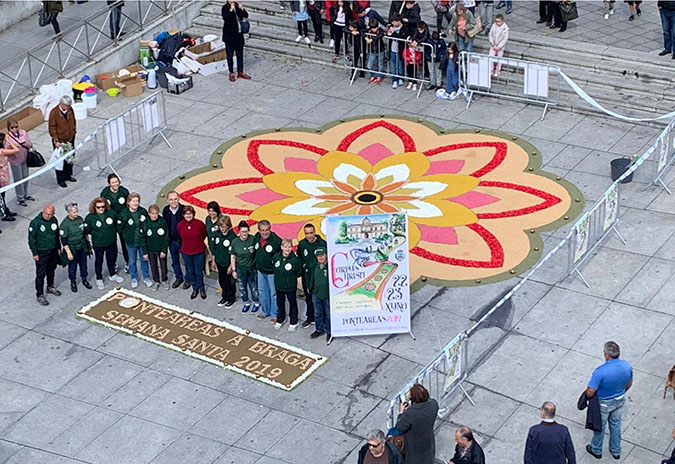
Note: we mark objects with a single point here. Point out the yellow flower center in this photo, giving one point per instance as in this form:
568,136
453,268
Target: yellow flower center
367,197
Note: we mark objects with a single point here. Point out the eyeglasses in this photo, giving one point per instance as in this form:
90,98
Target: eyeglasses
14,127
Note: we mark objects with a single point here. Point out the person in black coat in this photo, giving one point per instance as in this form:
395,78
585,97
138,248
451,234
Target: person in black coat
549,442
233,12
467,450
416,423
411,16
377,447
173,214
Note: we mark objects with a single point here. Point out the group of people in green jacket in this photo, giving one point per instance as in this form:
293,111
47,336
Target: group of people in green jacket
264,268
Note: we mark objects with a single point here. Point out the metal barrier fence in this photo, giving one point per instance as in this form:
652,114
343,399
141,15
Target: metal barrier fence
23,75
390,64
141,123
597,223
666,156
510,78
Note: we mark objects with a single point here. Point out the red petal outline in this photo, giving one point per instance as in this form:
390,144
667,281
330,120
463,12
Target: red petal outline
254,156
549,200
408,142
497,159
189,195
496,252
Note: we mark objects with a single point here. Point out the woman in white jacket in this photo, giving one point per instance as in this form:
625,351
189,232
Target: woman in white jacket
499,35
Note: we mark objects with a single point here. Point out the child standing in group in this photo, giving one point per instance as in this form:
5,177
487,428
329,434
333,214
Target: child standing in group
436,56
396,50
287,269
499,35
452,78
318,285
155,246
376,50
412,56
300,14
355,37
340,15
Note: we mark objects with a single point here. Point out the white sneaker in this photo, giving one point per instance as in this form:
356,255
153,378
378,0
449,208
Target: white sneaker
126,268
99,284
453,95
292,327
307,41
414,87
278,325
332,43
606,15
611,11
134,283
156,287
166,285
409,86
298,38
394,85
116,278
148,283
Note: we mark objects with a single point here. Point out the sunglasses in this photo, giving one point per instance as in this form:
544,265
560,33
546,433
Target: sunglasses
13,127
100,206
370,445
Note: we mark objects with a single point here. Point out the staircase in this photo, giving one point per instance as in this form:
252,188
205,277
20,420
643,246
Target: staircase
630,83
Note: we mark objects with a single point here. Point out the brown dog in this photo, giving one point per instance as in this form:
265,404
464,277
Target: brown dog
670,382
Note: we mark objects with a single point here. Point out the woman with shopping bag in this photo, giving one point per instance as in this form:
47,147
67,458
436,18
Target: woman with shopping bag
18,162
5,153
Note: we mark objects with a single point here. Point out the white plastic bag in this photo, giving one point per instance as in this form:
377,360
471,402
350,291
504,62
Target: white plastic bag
56,154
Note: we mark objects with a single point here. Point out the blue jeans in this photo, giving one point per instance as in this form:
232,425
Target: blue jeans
668,25
79,259
268,294
136,254
247,281
194,270
321,314
452,79
610,411
174,250
463,45
379,57
396,67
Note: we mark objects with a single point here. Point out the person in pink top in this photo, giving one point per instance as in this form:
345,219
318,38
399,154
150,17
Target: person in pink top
5,153
17,161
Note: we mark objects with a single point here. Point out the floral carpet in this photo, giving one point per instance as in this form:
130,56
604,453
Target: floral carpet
476,199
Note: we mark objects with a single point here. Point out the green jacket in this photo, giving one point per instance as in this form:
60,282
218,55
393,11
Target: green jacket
264,255
43,235
211,227
72,233
219,245
318,281
102,228
286,272
244,251
129,225
118,201
156,236
306,252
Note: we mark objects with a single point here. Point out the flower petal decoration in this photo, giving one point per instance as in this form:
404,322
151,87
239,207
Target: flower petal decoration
476,200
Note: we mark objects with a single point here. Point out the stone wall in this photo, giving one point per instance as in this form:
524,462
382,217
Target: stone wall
11,12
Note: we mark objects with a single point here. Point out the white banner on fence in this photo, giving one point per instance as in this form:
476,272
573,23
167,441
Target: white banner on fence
150,114
453,362
581,238
536,80
368,274
478,73
611,207
663,152
115,134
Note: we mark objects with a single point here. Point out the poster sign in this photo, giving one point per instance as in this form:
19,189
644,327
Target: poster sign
663,153
202,337
368,274
453,362
611,207
581,238
535,82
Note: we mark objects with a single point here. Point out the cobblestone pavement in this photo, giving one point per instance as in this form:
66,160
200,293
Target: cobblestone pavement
73,392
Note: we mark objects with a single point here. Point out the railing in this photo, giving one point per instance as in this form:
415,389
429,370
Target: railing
22,76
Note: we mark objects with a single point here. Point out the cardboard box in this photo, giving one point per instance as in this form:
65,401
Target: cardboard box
29,118
130,85
208,52
213,68
106,80
173,31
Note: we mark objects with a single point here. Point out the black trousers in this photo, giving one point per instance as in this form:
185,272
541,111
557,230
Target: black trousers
315,16
439,19
544,8
338,35
157,263
45,267
557,16
54,22
110,253
292,306
309,314
227,283
125,253
302,27
67,171
79,260
239,51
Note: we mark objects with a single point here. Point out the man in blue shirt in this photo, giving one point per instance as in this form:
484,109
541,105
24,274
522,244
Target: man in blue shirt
609,382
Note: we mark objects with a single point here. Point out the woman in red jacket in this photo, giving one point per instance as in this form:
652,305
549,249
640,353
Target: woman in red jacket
192,233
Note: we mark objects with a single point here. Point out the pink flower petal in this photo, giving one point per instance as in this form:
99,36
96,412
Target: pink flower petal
300,165
288,230
445,167
474,199
261,196
444,235
375,152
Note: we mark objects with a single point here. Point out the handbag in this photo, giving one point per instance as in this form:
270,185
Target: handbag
34,159
43,17
568,11
398,442
477,28
244,26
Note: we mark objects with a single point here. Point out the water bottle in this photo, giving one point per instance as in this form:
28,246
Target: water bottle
152,78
